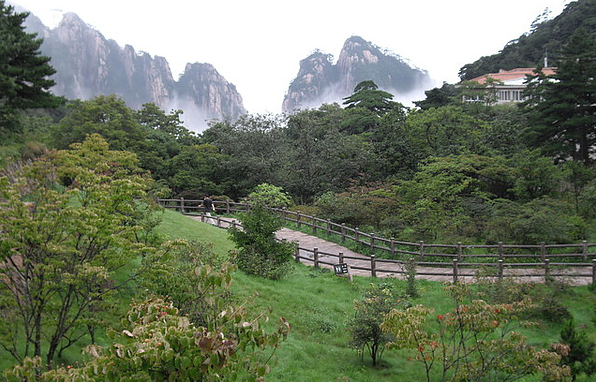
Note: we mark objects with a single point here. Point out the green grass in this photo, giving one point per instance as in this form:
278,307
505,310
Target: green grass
319,305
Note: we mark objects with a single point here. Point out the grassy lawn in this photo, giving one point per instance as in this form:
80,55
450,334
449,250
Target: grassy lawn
319,305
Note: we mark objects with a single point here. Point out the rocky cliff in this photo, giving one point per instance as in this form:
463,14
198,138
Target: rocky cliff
88,65
319,80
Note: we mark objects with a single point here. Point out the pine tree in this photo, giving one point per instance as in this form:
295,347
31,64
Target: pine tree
24,72
563,107
580,357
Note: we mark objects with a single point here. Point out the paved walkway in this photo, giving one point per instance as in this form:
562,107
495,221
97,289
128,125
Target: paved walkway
329,252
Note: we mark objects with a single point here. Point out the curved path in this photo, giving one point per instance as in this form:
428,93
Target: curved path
391,269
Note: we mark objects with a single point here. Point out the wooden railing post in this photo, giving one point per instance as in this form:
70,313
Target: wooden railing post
392,247
372,241
297,253
315,254
455,271
500,271
182,205
543,251
421,250
459,251
356,235
341,257
343,232
328,227
500,250
314,224
298,222
373,266
585,250
594,271
547,271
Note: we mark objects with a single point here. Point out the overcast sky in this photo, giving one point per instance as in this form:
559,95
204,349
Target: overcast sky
257,44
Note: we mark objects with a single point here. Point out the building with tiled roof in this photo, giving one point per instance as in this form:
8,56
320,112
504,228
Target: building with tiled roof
510,84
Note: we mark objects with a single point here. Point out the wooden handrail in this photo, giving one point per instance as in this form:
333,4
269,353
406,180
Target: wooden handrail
510,254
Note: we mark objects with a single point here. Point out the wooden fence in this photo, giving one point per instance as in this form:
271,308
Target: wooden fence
458,261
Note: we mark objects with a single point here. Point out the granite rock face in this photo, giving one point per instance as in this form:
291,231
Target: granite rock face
319,80
89,65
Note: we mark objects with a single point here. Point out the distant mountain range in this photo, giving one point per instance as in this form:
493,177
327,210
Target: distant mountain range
89,65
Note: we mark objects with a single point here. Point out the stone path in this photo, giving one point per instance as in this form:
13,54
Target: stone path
329,252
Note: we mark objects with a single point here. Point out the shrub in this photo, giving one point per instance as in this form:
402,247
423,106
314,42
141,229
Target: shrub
259,252
365,328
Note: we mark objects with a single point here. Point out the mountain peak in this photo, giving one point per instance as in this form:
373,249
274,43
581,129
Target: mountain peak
320,81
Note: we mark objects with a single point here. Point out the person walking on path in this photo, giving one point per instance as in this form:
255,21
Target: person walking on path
208,208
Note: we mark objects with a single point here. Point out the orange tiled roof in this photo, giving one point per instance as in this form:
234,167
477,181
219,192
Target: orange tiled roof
513,74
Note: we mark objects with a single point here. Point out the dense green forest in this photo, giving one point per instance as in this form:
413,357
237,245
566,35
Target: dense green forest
79,179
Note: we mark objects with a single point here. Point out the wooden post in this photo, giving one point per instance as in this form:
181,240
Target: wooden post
227,206
546,271
455,271
182,204
593,271
500,250
356,235
585,250
343,232
373,266
328,227
341,257
316,256
500,271
314,224
459,251
372,241
297,253
543,251
421,250
392,245
298,220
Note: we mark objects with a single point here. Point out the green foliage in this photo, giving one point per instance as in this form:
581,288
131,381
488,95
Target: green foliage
536,175
475,342
579,356
68,222
160,344
321,155
563,109
196,280
271,196
365,328
259,252
445,131
105,115
368,96
24,72
540,220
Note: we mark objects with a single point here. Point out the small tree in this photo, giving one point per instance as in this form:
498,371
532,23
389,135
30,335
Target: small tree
580,353
270,196
67,223
259,251
475,342
365,328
